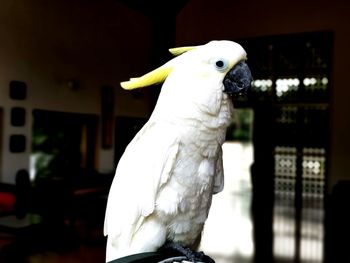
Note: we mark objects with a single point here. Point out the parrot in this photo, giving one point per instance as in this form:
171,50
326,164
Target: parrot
164,182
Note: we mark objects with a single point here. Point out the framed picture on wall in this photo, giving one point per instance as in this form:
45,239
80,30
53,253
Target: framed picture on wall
107,116
18,90
17,143
18,115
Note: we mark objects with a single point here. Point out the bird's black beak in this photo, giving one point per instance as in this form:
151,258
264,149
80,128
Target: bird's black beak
238,80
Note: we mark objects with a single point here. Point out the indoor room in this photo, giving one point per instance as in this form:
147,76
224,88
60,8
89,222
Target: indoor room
65,122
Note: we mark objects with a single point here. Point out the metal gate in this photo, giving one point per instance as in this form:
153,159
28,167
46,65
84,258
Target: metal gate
291,101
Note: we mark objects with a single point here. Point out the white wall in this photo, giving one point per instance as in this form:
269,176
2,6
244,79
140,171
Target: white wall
203,20
47,43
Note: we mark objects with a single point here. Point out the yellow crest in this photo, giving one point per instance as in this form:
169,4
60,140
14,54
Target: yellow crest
179,50
155,76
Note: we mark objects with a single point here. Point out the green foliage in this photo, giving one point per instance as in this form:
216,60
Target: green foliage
241,128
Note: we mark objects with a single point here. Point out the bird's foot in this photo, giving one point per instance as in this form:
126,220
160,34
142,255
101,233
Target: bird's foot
191,255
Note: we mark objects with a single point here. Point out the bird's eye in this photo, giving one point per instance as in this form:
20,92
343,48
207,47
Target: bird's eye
221,64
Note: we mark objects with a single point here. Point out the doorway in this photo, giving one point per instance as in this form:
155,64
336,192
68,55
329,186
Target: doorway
291,101
63,144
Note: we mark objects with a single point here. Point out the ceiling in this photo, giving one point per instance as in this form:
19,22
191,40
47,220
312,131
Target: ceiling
156,8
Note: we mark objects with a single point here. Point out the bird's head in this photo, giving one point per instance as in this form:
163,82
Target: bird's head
201,74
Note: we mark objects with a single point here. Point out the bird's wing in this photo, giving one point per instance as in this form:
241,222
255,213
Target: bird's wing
144,167
219,175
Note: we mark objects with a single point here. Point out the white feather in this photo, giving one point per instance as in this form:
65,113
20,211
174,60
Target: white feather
165,180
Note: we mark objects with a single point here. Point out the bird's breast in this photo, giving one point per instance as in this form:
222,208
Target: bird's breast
189,188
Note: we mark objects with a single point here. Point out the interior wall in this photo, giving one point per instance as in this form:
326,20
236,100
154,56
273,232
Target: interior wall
203,20
49,43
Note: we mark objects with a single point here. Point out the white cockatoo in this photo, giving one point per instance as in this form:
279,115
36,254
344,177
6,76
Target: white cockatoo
164,182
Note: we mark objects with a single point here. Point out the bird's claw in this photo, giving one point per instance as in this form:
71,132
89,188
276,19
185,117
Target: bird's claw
189,254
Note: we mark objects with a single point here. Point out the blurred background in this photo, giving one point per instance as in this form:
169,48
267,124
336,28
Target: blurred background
65,121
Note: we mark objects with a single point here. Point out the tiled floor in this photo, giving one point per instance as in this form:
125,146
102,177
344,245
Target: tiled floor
42,244
83,254
13,252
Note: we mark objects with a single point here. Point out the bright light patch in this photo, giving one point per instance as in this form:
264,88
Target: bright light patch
228,230
286,85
